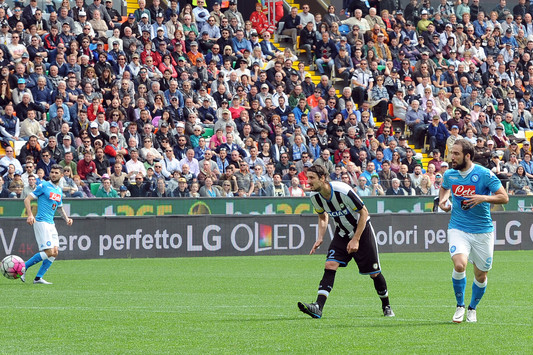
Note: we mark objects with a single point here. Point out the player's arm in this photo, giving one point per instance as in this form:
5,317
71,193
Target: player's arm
64,215
353,245
444,195
27,204
323,220
499,197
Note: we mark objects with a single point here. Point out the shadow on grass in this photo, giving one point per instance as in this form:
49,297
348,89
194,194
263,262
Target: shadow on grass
330,322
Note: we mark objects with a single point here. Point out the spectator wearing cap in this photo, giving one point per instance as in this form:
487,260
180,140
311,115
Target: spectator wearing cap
526,147
438,134
158,28
424,21
200,14
232,12
19,90
501,141
481,152
132,24
145,29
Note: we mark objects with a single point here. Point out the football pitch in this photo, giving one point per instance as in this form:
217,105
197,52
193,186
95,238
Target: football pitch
247,305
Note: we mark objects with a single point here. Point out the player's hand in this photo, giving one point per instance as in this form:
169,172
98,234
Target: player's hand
69,221
353,246
445,206
474,200
30,220
317,245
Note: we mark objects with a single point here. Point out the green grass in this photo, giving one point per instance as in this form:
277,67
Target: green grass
243,305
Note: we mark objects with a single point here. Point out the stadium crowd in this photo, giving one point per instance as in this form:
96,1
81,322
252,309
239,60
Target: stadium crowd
186,101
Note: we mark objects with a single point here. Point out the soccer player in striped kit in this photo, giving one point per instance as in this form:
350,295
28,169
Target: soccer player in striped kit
470,231
354,238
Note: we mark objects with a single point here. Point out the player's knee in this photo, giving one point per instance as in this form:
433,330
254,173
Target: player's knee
460,267
373,276
51,253
332,265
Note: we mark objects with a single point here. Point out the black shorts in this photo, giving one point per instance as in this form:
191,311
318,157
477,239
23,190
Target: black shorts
366,257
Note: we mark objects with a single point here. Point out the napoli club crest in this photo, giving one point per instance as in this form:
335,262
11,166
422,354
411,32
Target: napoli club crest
475,178
452,249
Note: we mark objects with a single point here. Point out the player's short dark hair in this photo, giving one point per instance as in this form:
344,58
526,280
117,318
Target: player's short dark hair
468,148
56,167
319,170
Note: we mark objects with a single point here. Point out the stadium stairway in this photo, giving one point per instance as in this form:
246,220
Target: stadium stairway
315,77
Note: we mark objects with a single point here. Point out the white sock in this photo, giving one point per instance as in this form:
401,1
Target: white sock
481,285
458,275
43,255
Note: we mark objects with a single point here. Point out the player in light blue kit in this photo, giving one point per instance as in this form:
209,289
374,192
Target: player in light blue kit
49,198
470,231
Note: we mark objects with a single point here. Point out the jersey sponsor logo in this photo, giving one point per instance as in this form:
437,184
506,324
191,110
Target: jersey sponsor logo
475,178
55,197
343,212
464,190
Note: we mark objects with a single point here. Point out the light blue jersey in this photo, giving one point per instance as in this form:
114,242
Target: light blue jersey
479,181
49,198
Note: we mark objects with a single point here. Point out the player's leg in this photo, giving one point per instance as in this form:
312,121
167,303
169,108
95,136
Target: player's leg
459,248
459,277
367,259
326,284
482,254
51,252
337,256
39,228
324,288
381,288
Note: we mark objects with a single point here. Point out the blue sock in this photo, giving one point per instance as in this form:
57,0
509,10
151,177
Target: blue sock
459,286
35,259
478,290
44,267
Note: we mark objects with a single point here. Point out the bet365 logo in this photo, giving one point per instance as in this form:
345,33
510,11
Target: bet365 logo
464,190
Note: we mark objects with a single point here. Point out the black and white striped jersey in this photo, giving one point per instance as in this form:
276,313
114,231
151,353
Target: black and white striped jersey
343,207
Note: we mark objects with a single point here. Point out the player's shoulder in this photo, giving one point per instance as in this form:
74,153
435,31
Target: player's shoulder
451,173
481,172
314,195
339,186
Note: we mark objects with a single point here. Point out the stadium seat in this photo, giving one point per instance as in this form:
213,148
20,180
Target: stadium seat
3,150
94,187
208,133
278,36
528,135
